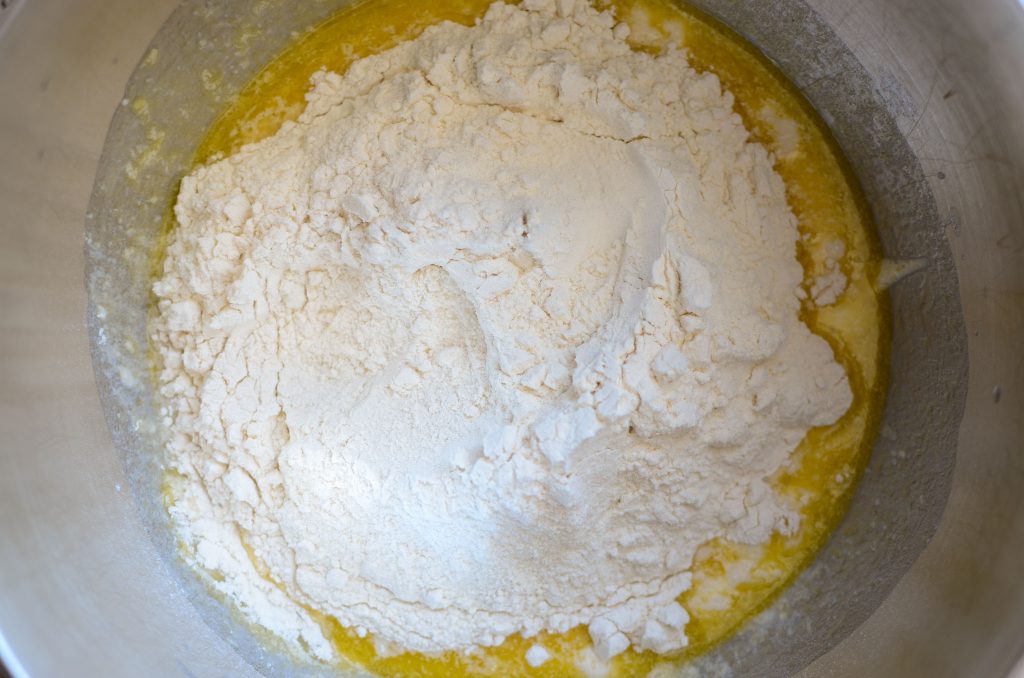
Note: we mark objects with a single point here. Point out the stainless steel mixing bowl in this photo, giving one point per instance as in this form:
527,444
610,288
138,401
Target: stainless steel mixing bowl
922,579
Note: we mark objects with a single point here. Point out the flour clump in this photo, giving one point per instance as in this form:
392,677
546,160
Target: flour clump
488,342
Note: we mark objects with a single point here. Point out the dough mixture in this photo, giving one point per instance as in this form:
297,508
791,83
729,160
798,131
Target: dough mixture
489,341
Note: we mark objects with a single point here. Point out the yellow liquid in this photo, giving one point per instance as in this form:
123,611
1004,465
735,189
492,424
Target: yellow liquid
731,582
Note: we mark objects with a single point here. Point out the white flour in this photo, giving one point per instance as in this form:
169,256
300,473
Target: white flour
488,342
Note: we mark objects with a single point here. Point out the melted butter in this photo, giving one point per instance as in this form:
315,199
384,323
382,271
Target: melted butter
731,582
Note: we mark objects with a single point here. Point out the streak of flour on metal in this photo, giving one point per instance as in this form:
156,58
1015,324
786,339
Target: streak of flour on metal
9,664
8,11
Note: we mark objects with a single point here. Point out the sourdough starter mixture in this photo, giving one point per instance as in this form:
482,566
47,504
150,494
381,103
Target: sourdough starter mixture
488,342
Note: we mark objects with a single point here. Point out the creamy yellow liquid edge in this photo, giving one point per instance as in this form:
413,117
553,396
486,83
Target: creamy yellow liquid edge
731,582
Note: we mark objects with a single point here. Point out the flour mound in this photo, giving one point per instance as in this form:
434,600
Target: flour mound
489,341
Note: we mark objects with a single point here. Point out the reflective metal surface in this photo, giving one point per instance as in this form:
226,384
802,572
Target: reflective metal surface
84,589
